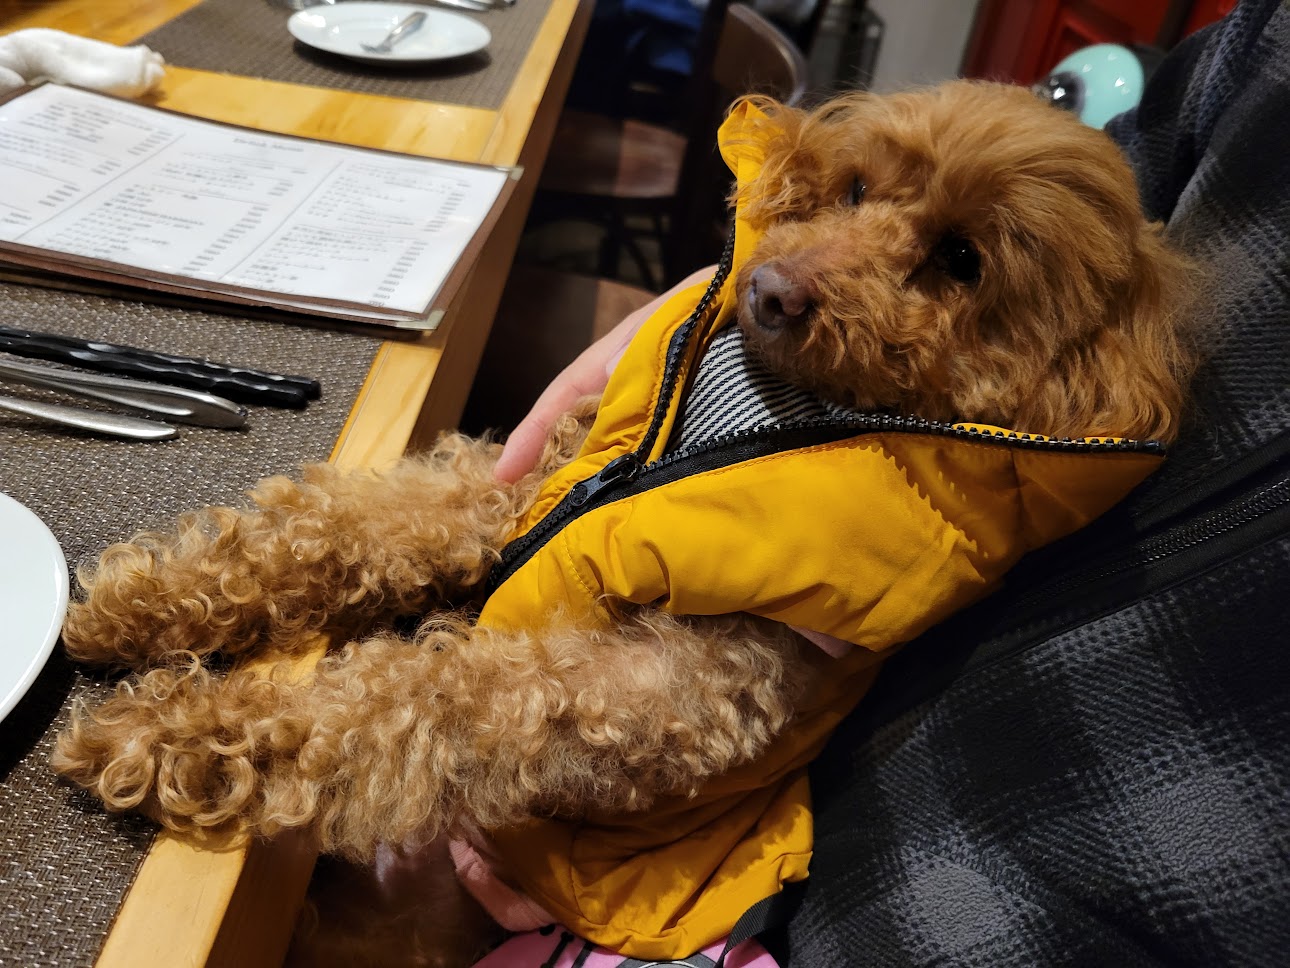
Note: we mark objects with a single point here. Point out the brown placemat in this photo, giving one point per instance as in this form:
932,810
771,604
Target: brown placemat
65,865
250,38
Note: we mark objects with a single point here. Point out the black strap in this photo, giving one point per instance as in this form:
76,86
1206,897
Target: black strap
588,949
769,912
565,938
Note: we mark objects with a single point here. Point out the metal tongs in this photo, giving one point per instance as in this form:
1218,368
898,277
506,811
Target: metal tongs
173,403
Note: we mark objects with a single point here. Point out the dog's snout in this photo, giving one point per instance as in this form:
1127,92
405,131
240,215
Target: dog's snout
777,301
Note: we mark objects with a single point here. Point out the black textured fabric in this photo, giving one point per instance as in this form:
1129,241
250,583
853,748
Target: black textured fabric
1115,795
1103,778
1211,147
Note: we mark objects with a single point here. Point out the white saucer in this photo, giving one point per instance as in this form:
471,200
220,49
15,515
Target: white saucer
33,599
343,28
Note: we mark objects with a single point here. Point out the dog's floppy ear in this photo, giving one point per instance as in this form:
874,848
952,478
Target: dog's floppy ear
1115,301
1130,379
1148,360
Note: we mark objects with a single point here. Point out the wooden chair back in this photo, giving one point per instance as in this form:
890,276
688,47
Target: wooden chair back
755,56
750,55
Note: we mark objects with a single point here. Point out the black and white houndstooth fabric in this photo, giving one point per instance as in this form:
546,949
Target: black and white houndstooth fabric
734,391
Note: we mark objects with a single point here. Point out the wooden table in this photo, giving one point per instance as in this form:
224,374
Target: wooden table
230,902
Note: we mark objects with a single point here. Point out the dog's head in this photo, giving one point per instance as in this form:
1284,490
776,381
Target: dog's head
964,252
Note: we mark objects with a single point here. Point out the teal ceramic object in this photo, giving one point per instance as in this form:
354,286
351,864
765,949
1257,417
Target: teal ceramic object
1096,83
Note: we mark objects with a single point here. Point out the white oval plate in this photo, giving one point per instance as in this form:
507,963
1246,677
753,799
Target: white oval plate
343,28
33,599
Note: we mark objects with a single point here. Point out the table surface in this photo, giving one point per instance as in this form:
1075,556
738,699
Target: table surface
229,901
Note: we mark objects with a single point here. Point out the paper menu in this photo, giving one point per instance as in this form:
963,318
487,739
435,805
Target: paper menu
142,194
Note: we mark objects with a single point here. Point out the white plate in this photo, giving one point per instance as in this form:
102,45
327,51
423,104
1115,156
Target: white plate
343,28
33,599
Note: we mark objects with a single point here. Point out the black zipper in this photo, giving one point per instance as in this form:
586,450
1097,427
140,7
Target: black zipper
1154,549
627,476
630,474
622,468
1008,623
677,347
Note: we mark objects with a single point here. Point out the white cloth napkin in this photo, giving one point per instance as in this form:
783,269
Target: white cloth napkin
39,54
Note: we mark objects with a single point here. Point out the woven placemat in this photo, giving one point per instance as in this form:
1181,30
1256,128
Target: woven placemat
65,865
250,38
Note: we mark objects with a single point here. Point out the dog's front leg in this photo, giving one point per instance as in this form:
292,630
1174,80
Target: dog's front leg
397,741
336,550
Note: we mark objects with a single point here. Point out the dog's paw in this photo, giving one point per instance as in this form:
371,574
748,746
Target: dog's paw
157,598
97,637
110,751
162,746
127,618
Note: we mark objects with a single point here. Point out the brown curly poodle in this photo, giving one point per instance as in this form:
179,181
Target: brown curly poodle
960,253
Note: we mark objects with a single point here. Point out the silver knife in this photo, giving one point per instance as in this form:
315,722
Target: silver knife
114,424
174,403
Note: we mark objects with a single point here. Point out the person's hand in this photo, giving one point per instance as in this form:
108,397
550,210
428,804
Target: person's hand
588,374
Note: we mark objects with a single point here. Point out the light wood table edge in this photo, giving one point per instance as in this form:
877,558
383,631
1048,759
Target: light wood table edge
553,57
224,902
234,903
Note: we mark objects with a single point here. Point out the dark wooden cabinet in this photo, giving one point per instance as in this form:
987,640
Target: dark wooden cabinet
1021,40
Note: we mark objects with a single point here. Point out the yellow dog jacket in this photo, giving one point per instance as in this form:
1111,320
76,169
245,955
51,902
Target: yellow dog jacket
868,528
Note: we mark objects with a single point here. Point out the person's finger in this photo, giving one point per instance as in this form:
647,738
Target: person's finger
524,445
586,375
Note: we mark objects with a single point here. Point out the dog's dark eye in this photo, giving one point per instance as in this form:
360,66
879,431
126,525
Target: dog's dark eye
957,258
857,190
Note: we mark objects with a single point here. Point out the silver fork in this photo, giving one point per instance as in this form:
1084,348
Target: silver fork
406,26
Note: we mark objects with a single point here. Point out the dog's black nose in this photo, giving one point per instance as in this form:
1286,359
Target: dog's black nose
777,301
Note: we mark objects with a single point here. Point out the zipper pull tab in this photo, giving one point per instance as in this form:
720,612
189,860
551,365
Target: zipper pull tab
617,471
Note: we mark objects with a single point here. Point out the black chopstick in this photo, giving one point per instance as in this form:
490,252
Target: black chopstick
234,383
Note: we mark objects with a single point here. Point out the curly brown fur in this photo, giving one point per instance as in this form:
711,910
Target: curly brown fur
394,741
335,552
1067,324
1072,324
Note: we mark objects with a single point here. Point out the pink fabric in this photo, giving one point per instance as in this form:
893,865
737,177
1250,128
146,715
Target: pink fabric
509,908
538,938
837,648
536,948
